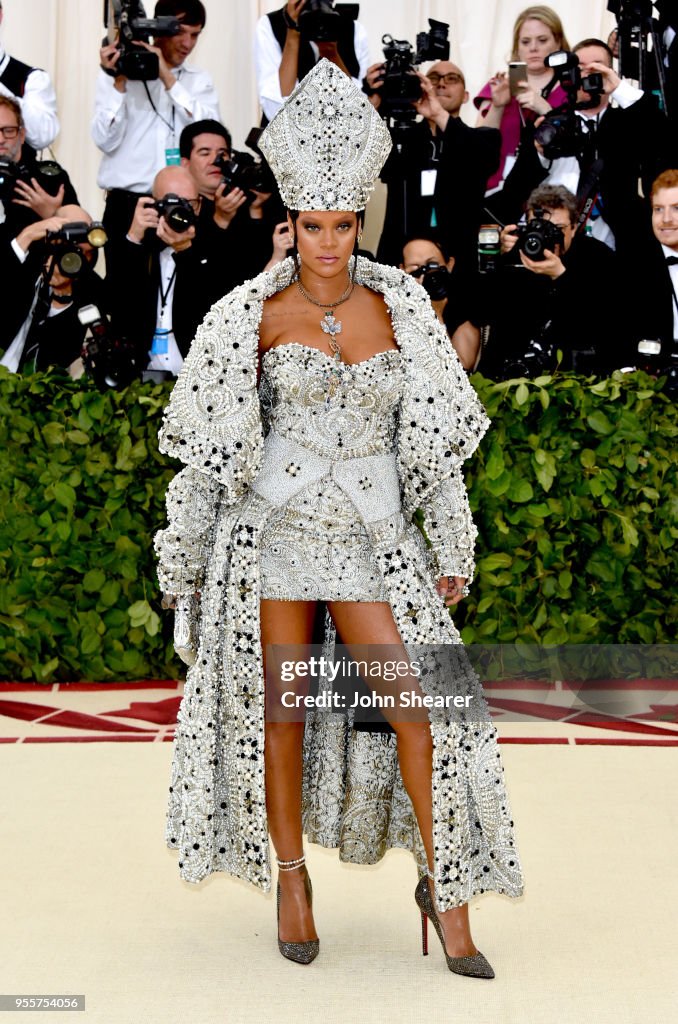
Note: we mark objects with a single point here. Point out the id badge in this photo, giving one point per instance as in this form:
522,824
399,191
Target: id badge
172,157
428,182
160,342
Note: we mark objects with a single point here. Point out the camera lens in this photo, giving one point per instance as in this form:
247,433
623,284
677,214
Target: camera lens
533,247
179,220
70,263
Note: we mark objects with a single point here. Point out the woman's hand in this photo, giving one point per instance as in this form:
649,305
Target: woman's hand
500,90
452,588
532,99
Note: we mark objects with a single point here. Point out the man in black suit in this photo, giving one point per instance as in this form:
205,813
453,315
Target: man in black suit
40,327
567,301
30,195
626,143
237,224
166,280
437,177
653,282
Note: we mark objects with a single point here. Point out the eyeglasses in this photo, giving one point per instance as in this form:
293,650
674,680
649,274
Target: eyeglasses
451,78
10,132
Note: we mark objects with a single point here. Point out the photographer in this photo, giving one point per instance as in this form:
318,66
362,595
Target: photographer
618,145
437,176
234,222
30,190
167,277
453,294
51,279
553,290
290,41
137,123
32,89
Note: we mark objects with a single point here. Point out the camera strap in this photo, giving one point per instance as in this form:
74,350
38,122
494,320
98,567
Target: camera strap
587,192
165,292
170,124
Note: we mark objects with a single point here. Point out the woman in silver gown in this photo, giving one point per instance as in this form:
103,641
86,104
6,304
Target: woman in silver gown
320,406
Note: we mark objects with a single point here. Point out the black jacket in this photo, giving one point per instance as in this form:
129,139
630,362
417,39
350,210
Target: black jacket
633,142
466,159
19,217
213,265
60,338
579,311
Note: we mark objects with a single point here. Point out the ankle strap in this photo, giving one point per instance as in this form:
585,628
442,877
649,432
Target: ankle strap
430,875
290,865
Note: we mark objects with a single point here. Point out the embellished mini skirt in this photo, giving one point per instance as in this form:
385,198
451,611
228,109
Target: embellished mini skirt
316,548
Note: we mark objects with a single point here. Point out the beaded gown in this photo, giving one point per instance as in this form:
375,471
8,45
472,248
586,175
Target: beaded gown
304,489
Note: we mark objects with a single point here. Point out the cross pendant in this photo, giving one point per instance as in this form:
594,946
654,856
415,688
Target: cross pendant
330,325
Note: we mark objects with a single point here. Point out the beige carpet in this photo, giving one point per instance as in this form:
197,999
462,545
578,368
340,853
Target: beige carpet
92,903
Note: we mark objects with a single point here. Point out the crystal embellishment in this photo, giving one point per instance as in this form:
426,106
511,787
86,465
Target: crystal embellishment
327,143
330,325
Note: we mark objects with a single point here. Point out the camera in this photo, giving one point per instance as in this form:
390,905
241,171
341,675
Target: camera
538,358
538,235
243,171
127,19
401,88
321,20
49,174
561,132
63,246
658,358
177,212
112,362
435,279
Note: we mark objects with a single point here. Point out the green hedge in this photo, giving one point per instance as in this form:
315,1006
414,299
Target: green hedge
573,492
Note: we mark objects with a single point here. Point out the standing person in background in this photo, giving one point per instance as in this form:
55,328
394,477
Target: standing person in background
283,55
437,177
537,32
137,125
34,92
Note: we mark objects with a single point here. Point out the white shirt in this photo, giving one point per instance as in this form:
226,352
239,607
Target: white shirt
566,170
38,106
673,272
268,57
133,138
171,360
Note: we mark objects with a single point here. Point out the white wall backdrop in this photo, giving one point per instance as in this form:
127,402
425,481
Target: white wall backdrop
64,36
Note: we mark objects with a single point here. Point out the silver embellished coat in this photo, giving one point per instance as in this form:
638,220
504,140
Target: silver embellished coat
353,796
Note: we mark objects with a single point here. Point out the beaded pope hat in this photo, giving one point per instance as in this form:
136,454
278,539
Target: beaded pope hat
327,144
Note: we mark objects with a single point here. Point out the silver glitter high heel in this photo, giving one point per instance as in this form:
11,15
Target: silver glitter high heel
299,952
472,966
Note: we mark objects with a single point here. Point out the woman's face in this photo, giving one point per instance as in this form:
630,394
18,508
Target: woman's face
325,240
535,42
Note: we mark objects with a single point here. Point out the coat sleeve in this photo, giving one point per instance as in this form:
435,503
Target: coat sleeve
213,425
450,528
183,547
441,424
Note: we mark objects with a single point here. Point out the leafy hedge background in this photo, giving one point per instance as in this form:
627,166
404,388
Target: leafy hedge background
573,491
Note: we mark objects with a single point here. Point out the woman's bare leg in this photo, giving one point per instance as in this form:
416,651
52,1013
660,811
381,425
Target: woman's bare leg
361,624
286,622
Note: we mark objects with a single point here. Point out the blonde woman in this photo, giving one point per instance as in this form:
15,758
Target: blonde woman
537,32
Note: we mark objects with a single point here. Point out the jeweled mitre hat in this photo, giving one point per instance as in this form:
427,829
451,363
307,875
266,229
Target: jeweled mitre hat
327,144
